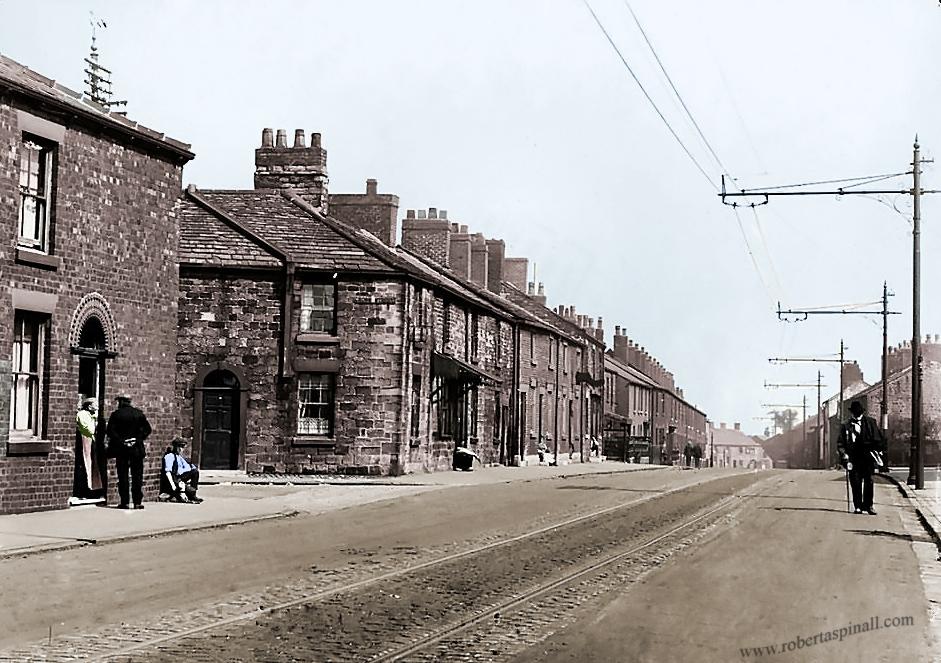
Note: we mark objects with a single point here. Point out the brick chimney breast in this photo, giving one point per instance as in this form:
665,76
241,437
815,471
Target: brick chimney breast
479,263
496,258
738,426
515,271
430,238
460,251
372,211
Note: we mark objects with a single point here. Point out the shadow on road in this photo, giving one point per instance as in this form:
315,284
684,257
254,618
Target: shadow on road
889,535
803,508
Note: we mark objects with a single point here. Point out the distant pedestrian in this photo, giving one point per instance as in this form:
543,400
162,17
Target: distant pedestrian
688,454
861,444
595,447
697,455
127,430
90,465
541,450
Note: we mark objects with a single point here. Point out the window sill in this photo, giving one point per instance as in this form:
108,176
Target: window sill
313,441
27,446
317,338
37,259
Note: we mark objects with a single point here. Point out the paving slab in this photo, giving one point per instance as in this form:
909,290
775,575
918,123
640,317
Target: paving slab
233,498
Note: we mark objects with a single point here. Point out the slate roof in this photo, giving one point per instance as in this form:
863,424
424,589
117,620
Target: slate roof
729,437
278,226
206,240
629,372
518,312
546,314
24,80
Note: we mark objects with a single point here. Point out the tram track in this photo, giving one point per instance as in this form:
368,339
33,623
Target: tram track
339,596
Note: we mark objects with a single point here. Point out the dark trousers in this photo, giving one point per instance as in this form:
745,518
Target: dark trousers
135,464
191,477
861,483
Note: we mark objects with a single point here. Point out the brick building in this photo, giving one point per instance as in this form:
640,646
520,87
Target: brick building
89,284
730,447
308,343
558,382
651,411
628,398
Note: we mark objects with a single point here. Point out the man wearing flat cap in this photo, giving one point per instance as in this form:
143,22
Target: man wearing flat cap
127,430
861,445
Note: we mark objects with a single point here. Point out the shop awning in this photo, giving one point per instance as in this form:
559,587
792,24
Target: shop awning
452,368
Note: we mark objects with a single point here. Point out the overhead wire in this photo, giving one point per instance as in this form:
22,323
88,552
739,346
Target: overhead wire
722,167
870,178
648,97
676,92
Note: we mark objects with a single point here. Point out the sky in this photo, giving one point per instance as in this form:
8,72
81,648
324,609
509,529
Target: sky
521,120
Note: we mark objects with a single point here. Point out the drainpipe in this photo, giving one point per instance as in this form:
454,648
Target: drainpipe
555,422
406,382
287,313
517,435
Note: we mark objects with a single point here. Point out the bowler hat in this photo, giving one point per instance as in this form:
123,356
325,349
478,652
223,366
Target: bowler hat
123,396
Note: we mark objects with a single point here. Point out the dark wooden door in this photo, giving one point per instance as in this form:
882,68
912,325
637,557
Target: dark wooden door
220,422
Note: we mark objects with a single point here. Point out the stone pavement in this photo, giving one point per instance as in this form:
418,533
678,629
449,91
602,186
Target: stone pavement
927,501
233,498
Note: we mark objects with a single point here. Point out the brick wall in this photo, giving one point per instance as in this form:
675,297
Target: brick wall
375,212
114,233
428,322
428,237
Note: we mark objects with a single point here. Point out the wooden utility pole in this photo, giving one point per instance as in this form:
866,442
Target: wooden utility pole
916,468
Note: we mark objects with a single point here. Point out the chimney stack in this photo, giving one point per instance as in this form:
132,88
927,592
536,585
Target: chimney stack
302,170
541,294
372,211
267,138
430,238
738,426
496,261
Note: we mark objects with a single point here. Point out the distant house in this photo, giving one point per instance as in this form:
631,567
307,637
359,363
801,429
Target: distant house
730,447
88,294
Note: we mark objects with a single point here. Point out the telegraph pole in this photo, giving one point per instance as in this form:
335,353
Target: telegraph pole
916,469
884,409
823,459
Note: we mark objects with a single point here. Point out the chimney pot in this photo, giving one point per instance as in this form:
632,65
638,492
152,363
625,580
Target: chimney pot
542,290
617,330
722,425
421,214
432,213
410,214
455,228
530,288
267,138
282,140
443,214
738,426
315,140
600,323
299,138
463,229
372,187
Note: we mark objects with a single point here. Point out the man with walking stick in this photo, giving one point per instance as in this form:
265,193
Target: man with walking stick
861,444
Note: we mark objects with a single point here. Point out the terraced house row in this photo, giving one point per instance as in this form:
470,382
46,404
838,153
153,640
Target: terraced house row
282,328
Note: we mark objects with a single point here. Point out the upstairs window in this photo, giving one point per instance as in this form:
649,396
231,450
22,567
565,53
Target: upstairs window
318,310
36,167
475,336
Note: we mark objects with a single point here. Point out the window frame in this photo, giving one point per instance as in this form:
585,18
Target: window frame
328,405
307,312
36,376
47,162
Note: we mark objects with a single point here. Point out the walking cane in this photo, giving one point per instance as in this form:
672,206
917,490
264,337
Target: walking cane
846,471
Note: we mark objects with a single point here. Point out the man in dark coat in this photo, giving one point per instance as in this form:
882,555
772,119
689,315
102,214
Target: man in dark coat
861,445
127,430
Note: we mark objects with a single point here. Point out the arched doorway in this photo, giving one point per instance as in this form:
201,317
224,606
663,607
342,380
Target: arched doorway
90,482
220,422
